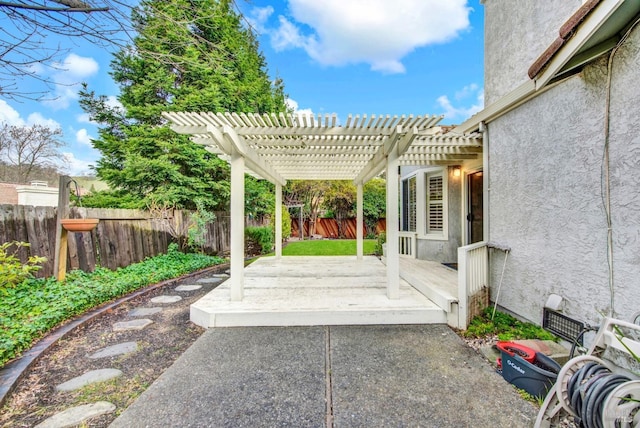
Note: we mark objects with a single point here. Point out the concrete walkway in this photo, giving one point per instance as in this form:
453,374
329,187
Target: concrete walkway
337,376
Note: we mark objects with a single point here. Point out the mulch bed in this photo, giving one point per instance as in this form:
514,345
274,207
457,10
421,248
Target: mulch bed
159,345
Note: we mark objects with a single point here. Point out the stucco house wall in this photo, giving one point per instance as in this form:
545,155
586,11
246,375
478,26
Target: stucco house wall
446,251
546,200
516,32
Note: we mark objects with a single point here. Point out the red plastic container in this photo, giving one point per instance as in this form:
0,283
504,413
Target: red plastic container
512,348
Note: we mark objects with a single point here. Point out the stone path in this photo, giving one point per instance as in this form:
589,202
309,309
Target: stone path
81,414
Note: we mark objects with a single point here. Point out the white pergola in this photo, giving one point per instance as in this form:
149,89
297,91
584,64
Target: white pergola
281,147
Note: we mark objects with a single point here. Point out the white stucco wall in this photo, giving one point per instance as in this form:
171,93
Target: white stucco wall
516,33
546,199
37,196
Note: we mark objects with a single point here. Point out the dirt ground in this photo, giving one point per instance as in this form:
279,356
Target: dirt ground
159,345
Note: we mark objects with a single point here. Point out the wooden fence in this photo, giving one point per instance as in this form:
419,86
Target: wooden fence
122,237
328,228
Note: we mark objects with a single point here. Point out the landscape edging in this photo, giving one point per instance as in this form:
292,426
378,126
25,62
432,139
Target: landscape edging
11,373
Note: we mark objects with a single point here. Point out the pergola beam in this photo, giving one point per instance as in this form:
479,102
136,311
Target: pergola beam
252,159
378,161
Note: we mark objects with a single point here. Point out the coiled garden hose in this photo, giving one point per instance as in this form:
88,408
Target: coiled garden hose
587,391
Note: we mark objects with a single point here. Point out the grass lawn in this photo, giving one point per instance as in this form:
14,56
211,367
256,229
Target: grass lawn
327,247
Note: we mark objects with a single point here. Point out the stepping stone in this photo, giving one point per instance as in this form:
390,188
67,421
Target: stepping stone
88,378
77,415
112,351
188,287
166,299
213,280
221,275
132,325
143,312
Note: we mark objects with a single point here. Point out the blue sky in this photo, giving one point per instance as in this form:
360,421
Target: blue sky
335,56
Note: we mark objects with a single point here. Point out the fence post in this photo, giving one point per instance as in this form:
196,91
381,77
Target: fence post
60,257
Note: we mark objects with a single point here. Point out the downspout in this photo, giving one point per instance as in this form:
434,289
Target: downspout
484,129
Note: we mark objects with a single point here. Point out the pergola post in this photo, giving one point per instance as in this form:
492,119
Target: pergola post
237,226
393,258
359,216
278,221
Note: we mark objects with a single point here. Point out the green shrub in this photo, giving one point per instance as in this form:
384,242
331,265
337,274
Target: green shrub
12,270
382,238
286,222
196,233
260,236
505,326
35,306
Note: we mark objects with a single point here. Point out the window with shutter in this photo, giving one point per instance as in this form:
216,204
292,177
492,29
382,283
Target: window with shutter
409,204
435,203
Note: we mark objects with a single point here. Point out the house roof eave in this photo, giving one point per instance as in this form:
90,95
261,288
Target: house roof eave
593,30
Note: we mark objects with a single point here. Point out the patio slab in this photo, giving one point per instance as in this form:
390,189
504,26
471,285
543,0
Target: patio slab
344,376
317,290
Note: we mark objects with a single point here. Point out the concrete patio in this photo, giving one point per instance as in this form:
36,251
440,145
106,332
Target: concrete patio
329,376
315,290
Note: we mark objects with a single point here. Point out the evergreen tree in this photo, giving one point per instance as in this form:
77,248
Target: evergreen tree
189,55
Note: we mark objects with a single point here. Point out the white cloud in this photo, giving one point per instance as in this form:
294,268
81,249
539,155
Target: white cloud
112,101
85,118
452,112
68,75
74,166
10,115
258,16
83,137
37,69
37,118
466,91
293,105
78,66
377,32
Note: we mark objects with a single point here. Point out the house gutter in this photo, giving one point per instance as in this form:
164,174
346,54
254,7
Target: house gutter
596,20
504,105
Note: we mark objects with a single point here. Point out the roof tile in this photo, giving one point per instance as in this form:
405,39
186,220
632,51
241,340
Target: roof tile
566,31
546,56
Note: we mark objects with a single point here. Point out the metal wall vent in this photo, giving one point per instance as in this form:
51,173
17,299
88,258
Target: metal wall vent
562,326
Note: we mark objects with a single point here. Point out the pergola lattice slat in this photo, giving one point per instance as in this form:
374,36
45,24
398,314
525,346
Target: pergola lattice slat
280,147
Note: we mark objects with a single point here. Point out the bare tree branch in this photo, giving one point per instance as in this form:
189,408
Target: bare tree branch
77,7
25,52
29,148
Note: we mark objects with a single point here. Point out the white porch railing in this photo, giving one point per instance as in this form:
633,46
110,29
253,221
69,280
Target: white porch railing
408,244
473,281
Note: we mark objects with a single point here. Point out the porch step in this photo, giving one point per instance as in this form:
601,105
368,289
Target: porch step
318,290
288,306
434,280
